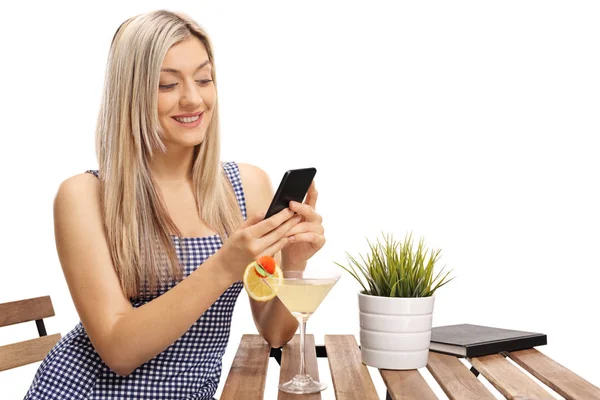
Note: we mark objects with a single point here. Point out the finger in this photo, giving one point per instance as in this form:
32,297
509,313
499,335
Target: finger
316,240
307,211
311,196
306,227
263,227
280,231
251,220
275,247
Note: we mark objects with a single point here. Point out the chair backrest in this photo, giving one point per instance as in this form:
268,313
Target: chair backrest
30,351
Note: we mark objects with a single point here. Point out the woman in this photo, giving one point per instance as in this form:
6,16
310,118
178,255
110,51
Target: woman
153,245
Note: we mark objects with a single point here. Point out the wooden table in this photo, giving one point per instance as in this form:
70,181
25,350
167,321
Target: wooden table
351,379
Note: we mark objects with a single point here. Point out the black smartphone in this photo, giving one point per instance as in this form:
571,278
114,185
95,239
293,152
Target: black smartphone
293,187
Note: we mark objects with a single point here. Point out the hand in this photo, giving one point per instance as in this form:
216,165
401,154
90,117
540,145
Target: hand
255,237
307,237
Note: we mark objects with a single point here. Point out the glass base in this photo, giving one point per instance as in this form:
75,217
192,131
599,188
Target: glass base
302,384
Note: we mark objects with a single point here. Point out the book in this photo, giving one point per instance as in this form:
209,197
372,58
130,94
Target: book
466,340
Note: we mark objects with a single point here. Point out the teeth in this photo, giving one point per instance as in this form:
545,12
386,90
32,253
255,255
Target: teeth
187,120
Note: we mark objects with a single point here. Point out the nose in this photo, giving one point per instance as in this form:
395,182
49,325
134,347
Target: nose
190,96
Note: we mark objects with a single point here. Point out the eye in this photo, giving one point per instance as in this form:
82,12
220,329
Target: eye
202,82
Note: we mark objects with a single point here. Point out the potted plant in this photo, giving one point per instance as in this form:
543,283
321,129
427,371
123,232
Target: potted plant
396,303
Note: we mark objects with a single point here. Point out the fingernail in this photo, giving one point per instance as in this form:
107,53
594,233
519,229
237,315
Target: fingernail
292,238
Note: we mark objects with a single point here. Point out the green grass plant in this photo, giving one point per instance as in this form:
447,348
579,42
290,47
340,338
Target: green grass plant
397,269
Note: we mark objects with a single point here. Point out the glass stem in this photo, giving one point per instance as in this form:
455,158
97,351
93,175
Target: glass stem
302,322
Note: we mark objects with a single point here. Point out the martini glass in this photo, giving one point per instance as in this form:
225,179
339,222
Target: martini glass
302,292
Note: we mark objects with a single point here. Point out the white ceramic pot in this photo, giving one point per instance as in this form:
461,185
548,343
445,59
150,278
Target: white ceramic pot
395,331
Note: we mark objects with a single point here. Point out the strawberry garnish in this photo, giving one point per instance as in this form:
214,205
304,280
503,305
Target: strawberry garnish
259,271
264,266
267,263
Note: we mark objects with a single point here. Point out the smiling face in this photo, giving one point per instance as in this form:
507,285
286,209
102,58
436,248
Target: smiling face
186,94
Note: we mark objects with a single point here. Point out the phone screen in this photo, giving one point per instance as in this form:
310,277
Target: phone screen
293,187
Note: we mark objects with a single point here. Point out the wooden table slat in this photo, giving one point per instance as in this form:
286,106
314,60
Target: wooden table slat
248,373
290,363
455,378
562,380
407,385
508,379
351,379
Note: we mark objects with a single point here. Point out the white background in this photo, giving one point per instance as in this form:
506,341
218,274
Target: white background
470,123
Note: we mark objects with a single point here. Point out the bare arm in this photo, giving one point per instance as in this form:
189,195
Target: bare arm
272,319
126,337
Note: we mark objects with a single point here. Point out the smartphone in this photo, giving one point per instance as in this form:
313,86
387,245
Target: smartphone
293,187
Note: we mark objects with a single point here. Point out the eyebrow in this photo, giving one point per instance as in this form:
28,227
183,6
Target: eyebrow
176,71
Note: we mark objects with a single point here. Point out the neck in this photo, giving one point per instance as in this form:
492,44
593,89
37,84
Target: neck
172,167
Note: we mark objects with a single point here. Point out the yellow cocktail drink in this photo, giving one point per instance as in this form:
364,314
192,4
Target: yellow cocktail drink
301,292
303,296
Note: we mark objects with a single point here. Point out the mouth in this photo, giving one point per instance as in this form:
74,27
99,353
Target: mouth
189,120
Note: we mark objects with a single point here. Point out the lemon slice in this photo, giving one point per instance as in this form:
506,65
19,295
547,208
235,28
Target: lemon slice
256,288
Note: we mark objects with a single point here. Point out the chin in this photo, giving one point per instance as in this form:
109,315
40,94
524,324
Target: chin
190,142
182,138
175,136
181,142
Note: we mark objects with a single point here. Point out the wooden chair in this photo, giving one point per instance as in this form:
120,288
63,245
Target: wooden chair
30,351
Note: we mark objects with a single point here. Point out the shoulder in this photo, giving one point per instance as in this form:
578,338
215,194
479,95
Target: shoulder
252,175
257,188
79,184
78,190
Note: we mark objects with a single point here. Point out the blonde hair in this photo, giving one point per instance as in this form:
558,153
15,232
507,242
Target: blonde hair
136,220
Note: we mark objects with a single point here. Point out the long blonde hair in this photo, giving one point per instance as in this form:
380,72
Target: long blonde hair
136,220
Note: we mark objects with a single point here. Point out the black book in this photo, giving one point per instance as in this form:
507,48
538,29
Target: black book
466,340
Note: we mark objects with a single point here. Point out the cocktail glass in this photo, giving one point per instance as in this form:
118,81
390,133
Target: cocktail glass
302,292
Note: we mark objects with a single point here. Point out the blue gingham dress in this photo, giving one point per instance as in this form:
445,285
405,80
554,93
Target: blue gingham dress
189,369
